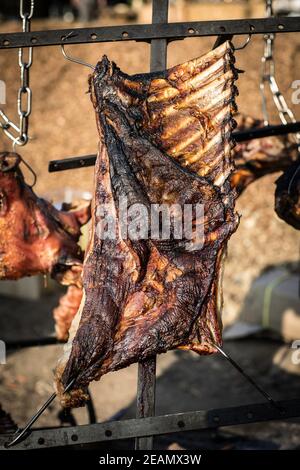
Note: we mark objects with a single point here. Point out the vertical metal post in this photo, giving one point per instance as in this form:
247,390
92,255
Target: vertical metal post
158,61
145,405
147,369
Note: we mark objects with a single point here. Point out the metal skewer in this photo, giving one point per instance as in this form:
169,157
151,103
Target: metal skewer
248,378
20,433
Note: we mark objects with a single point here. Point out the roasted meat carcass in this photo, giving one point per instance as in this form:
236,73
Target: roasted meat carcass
287,196
253,159
165,138
259,157
35,237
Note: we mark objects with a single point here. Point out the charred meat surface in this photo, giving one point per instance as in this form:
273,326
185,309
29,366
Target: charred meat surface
34,236
287,196
253,159
165,138
259,157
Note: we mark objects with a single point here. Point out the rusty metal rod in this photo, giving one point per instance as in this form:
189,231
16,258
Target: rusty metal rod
147,369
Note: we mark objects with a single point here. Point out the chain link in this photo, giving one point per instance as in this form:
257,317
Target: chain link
26,14
269,8
19,133
268,78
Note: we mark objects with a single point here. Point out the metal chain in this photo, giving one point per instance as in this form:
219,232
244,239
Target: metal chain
269,8
268,77
19,133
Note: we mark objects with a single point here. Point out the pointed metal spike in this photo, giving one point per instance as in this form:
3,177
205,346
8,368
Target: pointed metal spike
20,433
247,377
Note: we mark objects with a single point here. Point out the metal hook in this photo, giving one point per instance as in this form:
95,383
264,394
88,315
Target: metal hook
244,45
18,142
73,59
35,417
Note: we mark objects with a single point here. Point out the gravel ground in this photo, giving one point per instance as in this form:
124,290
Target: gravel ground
63,124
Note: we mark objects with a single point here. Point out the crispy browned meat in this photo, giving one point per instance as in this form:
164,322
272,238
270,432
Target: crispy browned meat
66,310
164,138
259,157
36,237
287,196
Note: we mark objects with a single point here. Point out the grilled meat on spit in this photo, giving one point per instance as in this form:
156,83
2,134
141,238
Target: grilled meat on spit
259,157
253,159
35,237
164,138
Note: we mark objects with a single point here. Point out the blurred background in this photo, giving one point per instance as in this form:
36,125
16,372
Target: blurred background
263,252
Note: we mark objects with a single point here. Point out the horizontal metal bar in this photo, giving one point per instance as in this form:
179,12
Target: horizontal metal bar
266,131
239,136
156,425
72,163
146,32
29,343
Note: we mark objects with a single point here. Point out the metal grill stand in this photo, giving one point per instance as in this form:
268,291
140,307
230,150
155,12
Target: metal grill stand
147,424
147,369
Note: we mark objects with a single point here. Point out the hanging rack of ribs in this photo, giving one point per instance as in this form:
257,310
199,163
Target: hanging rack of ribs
36,237
164,138
253,159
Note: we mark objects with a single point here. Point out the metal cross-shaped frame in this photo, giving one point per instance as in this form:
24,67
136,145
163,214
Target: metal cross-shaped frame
159,33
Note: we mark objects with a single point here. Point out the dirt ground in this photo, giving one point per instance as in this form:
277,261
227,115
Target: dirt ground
63,124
